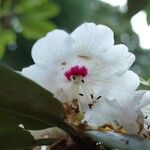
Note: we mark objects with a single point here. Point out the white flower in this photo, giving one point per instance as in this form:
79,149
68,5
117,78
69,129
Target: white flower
72,65
133,116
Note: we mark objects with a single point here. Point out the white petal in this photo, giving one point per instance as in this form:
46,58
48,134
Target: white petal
145,99
55,45
117,59
146,113
102,113
115,52
136,101
91,39
131,119
142,101
51,80
108,111
145,106
120,87
38,74
131,116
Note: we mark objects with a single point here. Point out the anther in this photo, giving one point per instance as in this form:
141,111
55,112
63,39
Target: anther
82,81
127,142
75,100
80,94
146,117
90,106
92,96
144,135
73,77
99,97
76,110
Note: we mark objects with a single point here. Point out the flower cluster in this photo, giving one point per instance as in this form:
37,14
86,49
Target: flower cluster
91,77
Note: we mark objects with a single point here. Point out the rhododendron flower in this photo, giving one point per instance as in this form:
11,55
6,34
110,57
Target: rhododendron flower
72,65
133,116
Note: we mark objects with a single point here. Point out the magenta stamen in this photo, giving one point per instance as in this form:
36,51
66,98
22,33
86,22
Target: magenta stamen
76,71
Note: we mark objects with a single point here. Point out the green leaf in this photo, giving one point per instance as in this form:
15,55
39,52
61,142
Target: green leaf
50,10
24,102
21,139
148,13
7,37
33,17
118,141
27,5
17,138
2,49
36,7
5,7
133,9
34,29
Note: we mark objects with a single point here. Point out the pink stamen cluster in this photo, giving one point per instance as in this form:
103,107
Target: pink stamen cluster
76,71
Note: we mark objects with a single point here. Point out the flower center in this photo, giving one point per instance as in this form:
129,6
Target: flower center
76,72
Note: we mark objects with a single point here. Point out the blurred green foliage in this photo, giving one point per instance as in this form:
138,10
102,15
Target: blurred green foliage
30,18
36,17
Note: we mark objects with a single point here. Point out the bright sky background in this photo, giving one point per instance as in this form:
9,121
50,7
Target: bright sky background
139,23
116,2
140,26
